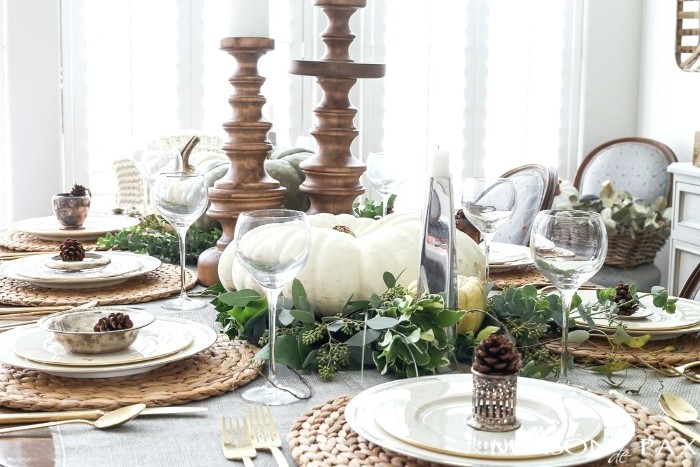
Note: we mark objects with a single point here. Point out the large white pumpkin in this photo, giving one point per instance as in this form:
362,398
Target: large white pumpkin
342,265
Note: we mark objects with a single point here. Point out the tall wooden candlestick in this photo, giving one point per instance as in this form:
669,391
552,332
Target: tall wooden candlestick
246,185
333,174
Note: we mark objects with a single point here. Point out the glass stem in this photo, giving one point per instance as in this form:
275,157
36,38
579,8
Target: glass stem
181,237
566,297
272,296
385,204
487,250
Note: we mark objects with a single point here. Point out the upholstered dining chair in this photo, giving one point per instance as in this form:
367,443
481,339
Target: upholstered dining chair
691,289
636,165
535,186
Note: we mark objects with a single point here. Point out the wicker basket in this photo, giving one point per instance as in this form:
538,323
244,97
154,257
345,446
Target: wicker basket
627,252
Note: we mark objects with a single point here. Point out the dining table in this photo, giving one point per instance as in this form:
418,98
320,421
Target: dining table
195,439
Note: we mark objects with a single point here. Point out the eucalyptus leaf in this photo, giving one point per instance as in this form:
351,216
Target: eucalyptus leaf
240,297
356,340
381,322
577,336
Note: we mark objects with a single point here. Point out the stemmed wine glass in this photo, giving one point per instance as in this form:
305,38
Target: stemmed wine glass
181,198
386,173
151,162
488,204
568,248
273,246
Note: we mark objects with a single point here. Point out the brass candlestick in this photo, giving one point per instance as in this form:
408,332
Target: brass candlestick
246,185
333,174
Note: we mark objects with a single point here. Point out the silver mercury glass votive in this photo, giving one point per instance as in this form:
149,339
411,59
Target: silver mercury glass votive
493,402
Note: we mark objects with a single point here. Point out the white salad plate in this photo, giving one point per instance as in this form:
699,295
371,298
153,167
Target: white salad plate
159,339
434,419
660,324
203,337
506,256
380,407
48,228
123,266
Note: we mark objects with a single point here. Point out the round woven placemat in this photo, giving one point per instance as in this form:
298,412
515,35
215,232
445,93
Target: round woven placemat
656,354
321,437
163,282
221,368
518,278
23,241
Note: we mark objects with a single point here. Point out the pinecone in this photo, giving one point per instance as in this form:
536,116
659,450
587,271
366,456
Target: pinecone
496,356
622,294
463,224
72,250
79,190
113,322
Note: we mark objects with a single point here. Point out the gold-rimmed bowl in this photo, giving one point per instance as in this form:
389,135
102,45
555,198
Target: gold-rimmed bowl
74,330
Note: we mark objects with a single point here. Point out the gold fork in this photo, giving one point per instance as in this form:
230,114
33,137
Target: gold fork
264,432
235,441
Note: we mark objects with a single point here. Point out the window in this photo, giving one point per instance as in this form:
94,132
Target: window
491,81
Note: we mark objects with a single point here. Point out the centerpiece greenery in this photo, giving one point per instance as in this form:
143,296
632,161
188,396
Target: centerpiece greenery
154,236
401,334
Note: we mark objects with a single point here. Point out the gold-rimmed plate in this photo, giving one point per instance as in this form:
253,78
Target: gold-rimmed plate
48,228
159,339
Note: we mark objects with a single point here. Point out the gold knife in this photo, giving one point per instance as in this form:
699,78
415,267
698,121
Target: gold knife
11,418
684,430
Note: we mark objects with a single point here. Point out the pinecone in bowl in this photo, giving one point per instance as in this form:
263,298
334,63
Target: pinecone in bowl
496,356
72,250
79,190
113,322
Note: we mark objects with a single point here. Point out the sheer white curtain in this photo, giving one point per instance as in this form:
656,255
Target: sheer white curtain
491,81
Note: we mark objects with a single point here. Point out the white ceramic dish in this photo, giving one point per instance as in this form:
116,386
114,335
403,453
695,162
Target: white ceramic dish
506,256
91,261
686,319
619,428
203,337
433,415
48,228
160,339
122,267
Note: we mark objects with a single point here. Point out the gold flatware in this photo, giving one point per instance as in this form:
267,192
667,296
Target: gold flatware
23,254
11,418
235,441
7,310
678,408
684,430
263,432
108,420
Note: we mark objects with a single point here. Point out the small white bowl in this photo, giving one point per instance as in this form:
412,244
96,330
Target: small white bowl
74,329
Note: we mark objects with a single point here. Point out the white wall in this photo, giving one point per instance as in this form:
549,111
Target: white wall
32,85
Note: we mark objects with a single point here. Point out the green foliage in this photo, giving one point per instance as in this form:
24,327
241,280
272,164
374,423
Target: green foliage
402,335
154,236
624,214
373,209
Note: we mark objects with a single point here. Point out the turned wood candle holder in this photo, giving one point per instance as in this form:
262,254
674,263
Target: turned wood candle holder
246,185
333,174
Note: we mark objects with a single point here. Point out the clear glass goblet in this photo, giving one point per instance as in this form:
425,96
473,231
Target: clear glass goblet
181,198
488,203
568,248
151,162
273,246
386,173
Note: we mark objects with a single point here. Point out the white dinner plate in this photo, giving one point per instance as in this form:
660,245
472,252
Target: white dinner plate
203,337
123,266
159,339
619,428
95,226
433,415
506,256
686,319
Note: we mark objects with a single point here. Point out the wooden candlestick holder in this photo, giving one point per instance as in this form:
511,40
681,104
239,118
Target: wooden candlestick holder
333,173
246,185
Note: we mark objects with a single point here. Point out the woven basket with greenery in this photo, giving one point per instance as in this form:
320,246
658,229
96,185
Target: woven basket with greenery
636,230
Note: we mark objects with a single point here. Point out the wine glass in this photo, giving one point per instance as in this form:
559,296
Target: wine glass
488,203
386,173
568,248
273,246
151,162
181,198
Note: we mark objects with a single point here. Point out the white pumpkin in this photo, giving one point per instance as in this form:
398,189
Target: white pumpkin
342,265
